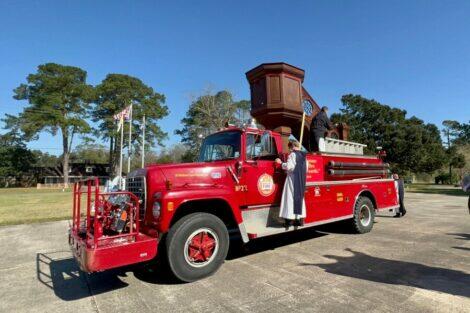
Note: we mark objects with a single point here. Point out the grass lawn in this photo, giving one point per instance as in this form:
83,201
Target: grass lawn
436,189
30,205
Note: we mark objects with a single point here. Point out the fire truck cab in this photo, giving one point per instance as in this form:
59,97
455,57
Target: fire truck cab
190,210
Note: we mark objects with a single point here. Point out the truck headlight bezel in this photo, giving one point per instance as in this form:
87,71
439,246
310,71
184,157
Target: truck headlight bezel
156,209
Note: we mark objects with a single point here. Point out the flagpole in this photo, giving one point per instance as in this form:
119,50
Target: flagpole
130,140
143,141
121,121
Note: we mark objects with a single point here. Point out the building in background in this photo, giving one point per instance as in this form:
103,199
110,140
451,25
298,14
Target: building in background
51,176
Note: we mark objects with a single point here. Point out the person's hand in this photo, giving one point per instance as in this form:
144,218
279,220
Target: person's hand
278,161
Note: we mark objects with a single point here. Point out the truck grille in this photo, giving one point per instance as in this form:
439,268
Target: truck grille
137,186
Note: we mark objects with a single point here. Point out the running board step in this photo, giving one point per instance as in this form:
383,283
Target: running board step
265,221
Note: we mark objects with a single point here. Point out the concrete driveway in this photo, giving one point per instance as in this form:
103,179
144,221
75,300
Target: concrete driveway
420,263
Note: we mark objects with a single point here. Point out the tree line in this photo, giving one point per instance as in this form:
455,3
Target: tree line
61,102
412,146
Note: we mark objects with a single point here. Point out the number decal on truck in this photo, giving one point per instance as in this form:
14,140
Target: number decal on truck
243,188
266,185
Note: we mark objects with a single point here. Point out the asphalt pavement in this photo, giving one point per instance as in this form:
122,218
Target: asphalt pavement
419,263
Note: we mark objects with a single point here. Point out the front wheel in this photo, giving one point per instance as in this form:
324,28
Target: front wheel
197,246
364,214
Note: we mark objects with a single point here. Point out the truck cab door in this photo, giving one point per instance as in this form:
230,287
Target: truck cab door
262,179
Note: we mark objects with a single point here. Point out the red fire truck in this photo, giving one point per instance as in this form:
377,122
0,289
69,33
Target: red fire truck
189,210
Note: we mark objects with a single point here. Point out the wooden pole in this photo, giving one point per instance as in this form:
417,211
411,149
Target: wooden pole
302,129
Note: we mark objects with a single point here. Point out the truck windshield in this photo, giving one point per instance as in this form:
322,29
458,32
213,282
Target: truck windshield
220,146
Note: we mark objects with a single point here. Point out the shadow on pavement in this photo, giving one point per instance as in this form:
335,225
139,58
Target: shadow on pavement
386,216
461,236
462,248
366,267
239,250
62,275
157,272
60,272
341,227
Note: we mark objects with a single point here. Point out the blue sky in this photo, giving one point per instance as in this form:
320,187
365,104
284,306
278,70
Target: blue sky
414,55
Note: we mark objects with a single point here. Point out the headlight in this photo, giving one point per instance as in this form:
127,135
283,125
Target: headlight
156,209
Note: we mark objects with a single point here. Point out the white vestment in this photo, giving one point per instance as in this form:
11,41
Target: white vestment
287,202
321,145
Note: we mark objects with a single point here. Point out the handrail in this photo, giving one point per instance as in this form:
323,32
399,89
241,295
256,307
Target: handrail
352,143
95,221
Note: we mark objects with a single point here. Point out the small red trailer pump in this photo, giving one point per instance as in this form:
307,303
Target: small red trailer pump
190,209
107,234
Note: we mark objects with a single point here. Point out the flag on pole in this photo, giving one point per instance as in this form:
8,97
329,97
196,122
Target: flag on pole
120,123
123,115
120,117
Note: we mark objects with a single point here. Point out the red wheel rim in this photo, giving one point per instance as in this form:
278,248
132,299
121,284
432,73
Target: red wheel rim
201,247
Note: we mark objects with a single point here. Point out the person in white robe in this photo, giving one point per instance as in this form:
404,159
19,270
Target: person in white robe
287,210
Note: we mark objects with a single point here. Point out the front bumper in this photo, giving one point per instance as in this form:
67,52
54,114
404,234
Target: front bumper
112,254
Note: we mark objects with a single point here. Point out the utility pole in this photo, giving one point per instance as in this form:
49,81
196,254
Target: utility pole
143,141
129,148
120,154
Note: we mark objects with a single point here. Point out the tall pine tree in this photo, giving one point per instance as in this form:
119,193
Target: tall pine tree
118,91
58,98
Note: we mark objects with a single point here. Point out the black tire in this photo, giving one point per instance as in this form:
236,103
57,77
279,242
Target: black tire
364,214
176,245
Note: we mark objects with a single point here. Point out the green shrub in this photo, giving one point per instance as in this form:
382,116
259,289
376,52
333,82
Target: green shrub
446,179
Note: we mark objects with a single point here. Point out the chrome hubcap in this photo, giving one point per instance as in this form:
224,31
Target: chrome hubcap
365,215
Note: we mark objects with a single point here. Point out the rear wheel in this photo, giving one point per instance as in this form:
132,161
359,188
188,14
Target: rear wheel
364,214
196,246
